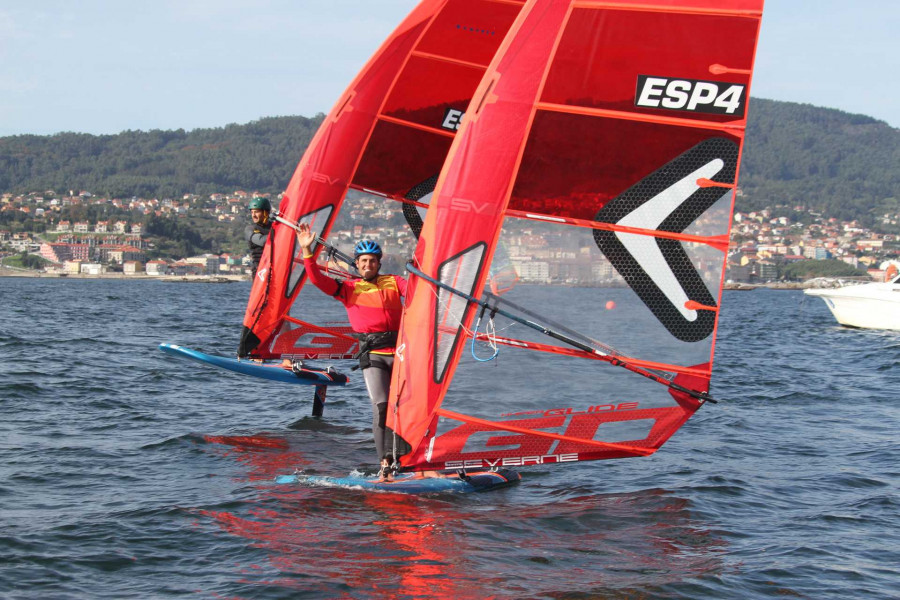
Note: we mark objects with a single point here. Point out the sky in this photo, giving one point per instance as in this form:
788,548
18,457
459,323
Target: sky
105,66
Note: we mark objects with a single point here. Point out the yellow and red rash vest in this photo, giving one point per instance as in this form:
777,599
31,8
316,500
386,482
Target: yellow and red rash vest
372,306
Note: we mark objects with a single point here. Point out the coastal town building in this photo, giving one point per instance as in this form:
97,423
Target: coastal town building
92,269
157,267
118,253
59,253
208,263
183,267
132,267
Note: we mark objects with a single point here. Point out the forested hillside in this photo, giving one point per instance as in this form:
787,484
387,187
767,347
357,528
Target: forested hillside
261,156
844,165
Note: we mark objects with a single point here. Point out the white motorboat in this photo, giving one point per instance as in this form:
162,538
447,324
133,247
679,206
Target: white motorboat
870,305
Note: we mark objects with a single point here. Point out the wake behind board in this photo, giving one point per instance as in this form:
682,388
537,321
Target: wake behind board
411,483
272,371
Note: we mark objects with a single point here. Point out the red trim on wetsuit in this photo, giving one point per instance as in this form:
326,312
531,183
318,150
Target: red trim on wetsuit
372,307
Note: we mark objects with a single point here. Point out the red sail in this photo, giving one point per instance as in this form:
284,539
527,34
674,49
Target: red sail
388,135
601,149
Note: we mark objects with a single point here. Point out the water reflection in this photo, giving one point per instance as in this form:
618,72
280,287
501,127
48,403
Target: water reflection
539,539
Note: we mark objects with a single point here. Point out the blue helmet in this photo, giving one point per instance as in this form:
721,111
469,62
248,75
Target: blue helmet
366,247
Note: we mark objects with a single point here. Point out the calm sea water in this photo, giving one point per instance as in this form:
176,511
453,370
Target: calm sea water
126,473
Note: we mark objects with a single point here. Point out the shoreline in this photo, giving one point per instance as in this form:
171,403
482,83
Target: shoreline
6,272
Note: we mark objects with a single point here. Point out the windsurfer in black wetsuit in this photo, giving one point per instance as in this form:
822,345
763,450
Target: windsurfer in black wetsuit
257,232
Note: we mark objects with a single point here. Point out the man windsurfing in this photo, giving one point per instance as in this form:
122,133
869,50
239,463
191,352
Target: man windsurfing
374,305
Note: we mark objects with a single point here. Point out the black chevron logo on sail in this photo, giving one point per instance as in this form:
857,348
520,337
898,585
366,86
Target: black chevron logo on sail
669,199
419,193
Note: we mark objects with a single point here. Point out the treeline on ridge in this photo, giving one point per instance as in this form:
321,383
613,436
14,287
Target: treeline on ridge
260,156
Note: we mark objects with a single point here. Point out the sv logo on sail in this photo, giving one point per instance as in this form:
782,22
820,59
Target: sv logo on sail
693,95
469,206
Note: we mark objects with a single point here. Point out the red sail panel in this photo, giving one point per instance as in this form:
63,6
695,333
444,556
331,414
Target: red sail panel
387,134
628,115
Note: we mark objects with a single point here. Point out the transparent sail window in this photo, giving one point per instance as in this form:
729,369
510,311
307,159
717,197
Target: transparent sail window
460,273
317,221
560,276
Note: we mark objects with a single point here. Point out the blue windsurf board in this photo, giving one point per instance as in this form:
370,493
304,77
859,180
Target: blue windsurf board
414,483
272,370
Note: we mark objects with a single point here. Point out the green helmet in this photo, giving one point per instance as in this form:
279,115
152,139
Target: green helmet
261,204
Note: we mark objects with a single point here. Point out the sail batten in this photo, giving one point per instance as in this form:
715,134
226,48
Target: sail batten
737,126
707,8
404,123
715,241
449,59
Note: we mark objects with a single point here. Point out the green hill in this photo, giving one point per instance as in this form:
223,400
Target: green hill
841,164
260,155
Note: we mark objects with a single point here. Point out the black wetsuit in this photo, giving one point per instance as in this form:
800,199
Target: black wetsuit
256,236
